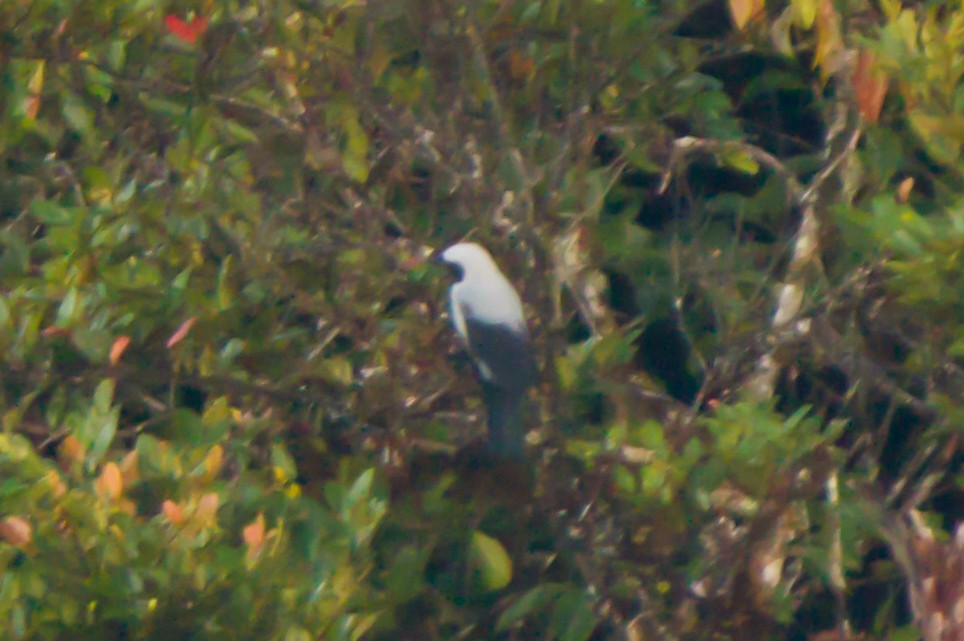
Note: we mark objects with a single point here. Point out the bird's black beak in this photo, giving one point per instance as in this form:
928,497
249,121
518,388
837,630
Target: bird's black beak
453,269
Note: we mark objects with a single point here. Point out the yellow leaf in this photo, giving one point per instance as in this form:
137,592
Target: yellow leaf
217,410
937,134
829,40
741,160
805,12
213,462
338,370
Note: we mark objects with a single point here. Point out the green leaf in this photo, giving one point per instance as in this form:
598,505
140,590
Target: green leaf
70,308
651,435
361,488
17,621
491,560
403,579
116,54
77,115
905,633
52,213
4,312
240,133
100,425
103,395
957,347
572,617
225,288
281,461
534,600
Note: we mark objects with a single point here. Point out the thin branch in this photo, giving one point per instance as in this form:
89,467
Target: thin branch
817,181
687,145
838,584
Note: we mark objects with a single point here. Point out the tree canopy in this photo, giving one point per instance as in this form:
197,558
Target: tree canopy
231,404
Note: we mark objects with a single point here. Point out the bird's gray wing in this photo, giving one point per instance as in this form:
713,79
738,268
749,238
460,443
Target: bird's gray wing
504,354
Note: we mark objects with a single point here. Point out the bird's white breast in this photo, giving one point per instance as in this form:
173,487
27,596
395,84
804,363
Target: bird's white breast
491,300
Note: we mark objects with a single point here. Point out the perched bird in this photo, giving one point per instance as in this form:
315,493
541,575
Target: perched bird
487,315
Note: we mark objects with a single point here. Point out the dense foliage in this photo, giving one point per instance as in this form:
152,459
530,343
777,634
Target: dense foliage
231,405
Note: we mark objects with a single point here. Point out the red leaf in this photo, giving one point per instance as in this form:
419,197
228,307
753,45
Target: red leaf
870,85
186,31
181,332
16,531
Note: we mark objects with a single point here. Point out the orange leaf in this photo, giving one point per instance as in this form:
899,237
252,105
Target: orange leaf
870,85
110,483
16,531
745,10
31,106
181,332
904,189
186,31
118,347
172,511
70,450
253,534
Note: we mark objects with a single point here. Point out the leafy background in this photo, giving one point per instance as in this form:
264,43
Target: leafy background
232,407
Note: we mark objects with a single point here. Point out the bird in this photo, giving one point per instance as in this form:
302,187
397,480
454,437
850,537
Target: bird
487,314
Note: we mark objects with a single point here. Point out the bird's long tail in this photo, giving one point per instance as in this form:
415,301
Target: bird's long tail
506,434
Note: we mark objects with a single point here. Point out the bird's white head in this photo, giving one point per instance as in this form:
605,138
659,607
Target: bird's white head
468,259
